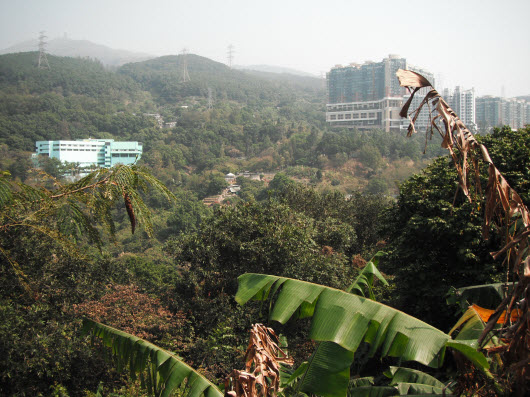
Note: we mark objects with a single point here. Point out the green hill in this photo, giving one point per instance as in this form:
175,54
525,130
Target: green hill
163,78
19,73
75,98
259,121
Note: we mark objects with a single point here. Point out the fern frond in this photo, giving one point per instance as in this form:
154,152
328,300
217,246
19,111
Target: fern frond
19,273
6,190
71,211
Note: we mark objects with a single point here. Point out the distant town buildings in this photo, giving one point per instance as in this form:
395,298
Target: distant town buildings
91,152
231,178
496,112
157,117
368,96
160,121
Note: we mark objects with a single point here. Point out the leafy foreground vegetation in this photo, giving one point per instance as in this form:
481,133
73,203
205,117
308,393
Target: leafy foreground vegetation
392,333
48,298
303,247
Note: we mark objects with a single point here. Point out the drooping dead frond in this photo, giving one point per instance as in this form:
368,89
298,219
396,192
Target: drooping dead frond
261,376
130,211
503,206
408,78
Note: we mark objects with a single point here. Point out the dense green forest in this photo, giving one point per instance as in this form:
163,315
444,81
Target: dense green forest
333,199
259,122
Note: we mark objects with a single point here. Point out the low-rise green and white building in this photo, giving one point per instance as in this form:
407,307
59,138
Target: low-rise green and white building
91,152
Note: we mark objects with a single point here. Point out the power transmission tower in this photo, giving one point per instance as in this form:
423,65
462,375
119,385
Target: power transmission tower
230,55
184,66
323,79
43,60
210,99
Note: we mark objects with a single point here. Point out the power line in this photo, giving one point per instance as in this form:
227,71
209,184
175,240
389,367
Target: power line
184,77
43,60
210,99
230,55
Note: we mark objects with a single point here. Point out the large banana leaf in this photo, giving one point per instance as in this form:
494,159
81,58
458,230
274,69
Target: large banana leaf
411,381
366,278
326,373
364,387
349,320
165,371
404,381
470,327
409,375
328,369
373,391
487,295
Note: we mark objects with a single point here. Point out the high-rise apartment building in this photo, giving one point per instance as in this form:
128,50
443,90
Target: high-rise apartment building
367,96
496,112
516,113
489,110
91,152
463,103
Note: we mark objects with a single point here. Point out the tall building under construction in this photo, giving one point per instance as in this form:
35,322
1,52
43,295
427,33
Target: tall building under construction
367,96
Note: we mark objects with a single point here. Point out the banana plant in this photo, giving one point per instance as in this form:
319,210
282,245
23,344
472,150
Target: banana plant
366,278
161,372
347,320
486,295
403,381
330,363
326,373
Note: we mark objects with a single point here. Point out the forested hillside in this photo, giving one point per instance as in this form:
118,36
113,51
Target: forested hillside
66,76
137,249
163,77
260,122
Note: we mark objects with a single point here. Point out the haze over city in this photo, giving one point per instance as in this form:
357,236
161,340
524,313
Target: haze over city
481,44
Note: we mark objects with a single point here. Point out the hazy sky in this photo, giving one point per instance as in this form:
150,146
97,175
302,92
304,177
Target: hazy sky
473,43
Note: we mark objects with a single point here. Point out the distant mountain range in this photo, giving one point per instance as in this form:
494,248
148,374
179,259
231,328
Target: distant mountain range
274,69
63,46
162,77
81,48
